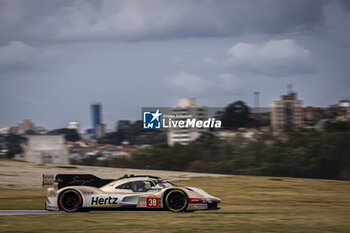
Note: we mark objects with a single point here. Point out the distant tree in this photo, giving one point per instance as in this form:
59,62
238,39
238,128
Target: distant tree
88,131
340,126
219,114
133,133
30,132
123,124
309,153
69,134
236,115
111,138
125,131
13,149
205,137
128,130
12,138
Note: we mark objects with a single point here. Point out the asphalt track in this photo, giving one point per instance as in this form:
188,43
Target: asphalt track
44,212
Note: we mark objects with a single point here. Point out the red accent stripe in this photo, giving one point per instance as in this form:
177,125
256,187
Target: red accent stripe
195,200
79,197
200,200
81,201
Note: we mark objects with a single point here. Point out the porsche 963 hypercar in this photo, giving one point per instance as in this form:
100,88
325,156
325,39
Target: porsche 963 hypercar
77,192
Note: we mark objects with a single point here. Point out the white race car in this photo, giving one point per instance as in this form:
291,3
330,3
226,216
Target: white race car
78,192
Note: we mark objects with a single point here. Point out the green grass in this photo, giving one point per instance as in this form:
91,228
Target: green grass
22,199
12,160
259,204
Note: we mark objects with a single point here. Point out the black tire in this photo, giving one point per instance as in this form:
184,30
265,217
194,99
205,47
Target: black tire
176,200
70,201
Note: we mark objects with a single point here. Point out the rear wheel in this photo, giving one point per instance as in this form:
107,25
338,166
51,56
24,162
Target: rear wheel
176,200
70,200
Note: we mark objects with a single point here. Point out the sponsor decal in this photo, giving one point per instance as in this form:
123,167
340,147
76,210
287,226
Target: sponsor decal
104,201
143,204
88,193
152,196
152,202
203,206
77,180
195,200
52,207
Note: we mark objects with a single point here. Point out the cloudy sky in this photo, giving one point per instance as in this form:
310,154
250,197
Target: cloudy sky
58,57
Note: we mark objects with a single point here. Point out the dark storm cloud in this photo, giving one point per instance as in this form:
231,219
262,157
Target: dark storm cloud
17,56
155,19
275,58
58,56
345,4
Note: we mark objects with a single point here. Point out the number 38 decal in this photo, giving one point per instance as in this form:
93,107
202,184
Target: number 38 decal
152,202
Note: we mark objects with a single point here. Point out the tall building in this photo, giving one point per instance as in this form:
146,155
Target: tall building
100,130
185,107
5,130
25,126
74,125
287,113
97,126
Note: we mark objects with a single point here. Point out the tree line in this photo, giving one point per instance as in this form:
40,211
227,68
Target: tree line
309,153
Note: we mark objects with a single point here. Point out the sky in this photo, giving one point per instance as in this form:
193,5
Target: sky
57,57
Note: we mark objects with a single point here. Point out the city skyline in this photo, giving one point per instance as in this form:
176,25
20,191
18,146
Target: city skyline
57,59
112,127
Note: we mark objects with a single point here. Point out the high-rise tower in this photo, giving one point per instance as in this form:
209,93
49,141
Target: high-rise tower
97,126
287,113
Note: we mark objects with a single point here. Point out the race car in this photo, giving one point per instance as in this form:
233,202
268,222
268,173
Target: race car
81,192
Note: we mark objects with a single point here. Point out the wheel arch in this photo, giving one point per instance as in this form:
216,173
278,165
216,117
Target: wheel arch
171,189
65,190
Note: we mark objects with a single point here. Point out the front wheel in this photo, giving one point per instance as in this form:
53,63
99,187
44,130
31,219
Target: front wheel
70,201
176,200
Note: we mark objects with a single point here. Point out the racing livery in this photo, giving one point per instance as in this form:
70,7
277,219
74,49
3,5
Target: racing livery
78,192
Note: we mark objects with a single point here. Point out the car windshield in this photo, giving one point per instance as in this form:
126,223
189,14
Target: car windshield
162,184
145,185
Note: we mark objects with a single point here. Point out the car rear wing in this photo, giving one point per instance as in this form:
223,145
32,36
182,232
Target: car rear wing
48,180
63,180
49,185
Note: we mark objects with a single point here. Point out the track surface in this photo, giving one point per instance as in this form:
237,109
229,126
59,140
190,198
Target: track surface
43,212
